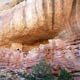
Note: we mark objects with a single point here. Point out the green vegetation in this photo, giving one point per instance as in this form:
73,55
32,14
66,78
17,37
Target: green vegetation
42,71
64,75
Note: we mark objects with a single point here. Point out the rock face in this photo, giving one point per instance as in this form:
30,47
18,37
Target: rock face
37,20
5,5
57,52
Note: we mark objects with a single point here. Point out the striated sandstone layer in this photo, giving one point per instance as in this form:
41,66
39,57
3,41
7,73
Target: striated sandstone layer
58,53
37,20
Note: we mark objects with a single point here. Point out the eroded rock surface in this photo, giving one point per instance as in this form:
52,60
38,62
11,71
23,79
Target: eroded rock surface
35,20
57,52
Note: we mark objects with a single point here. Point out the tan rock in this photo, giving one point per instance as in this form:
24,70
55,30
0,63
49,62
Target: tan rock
31,21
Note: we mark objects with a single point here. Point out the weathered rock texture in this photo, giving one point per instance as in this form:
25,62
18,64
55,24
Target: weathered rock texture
37,20
57,53
8,4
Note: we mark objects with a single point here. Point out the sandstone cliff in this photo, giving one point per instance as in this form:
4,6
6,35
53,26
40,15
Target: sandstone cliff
37,20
